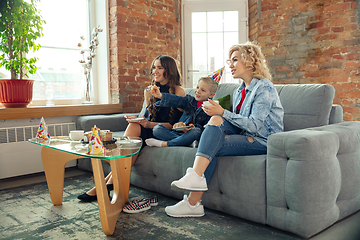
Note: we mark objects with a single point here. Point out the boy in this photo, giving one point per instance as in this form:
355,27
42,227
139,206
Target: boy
191,123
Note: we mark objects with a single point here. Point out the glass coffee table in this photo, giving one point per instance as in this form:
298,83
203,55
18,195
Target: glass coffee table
58,151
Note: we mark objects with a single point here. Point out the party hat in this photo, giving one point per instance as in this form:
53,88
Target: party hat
96,146
217,75
42,132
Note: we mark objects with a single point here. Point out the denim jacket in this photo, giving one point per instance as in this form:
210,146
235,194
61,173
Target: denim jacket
261,113
189,104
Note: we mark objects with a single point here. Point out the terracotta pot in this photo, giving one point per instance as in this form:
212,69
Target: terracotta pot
16,93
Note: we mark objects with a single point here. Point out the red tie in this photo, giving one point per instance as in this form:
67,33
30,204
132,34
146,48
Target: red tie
241,101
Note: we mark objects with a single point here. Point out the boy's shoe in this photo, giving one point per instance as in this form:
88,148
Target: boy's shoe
184,209
195,144
137,206
190,182
153,201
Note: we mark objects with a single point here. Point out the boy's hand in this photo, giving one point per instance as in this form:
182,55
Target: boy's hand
185,130
179,124
214,109
155,91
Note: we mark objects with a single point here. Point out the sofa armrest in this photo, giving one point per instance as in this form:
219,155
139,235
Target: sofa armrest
112,122
336,114
312,177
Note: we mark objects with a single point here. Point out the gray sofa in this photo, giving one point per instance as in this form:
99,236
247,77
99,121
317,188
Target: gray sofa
308,180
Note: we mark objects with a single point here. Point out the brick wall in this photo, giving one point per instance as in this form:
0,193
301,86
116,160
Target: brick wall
140,30
305,41
312,41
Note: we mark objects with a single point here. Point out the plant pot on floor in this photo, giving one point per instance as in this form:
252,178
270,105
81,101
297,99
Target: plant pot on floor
16,93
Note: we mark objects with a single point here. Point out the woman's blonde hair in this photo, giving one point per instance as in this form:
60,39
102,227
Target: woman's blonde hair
253,59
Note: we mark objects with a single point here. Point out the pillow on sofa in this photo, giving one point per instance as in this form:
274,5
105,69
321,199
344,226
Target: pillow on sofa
225,102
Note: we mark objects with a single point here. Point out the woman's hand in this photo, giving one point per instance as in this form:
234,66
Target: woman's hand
214,109
155,91
129,116
147,95
145,123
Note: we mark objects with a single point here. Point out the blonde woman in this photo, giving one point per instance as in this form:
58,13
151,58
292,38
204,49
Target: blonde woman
256,114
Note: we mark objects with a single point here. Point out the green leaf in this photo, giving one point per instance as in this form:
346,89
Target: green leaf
20,26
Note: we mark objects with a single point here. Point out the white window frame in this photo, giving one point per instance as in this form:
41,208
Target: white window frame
99,12
189,6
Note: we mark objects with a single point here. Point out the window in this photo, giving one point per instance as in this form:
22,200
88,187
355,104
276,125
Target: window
213,33
210,28
59,70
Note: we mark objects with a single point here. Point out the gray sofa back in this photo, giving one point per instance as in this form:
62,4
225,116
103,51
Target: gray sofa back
305,105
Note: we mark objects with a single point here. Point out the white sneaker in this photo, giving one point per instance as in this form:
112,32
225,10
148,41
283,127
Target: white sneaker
184,209
190,182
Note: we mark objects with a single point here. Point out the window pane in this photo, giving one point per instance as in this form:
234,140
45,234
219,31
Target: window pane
198,21
215,51
59,69
230,39
231,21
66,21
215,21
58,65
199,51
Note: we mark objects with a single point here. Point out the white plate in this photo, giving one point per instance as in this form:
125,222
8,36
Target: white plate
180,128
121,141
134,119
81,146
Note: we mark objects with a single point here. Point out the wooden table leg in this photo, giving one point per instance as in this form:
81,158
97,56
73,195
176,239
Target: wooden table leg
109,211
54,165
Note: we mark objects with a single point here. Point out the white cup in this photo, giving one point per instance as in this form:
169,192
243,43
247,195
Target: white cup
207,103
76,135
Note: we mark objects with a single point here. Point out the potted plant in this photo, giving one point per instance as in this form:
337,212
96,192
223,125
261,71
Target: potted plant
20,26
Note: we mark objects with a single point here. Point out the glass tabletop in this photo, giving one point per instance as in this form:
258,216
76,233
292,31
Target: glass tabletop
118,148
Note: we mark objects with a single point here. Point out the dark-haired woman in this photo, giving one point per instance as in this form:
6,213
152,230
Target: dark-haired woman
166,76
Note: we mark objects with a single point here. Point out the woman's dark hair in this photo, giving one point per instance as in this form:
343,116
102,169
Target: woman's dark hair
172,73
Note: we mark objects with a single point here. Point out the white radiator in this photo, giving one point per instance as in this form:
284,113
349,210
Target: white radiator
18,156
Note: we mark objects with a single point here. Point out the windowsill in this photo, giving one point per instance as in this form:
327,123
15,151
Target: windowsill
57,111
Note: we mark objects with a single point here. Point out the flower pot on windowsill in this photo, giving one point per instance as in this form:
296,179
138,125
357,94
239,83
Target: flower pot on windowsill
16,93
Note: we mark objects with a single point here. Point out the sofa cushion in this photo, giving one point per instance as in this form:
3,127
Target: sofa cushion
225,102
238,181
112,122
223,90
305,105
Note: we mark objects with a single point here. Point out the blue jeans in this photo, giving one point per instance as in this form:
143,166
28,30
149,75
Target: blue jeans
213,143
174,138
